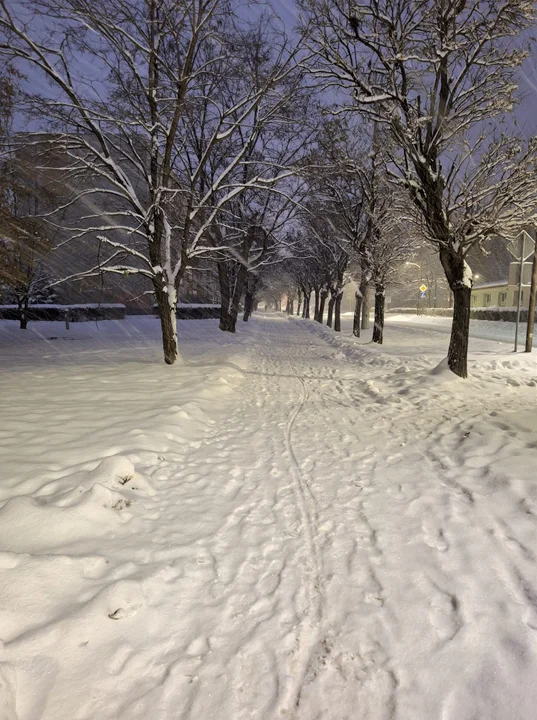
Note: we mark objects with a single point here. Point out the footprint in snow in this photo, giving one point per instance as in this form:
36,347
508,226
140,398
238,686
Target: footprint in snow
434,537
444,612
122,599
119,659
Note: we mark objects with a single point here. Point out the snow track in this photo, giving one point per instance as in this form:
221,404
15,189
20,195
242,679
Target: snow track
289,525
311,624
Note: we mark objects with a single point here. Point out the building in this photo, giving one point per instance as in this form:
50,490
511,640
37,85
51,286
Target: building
504,293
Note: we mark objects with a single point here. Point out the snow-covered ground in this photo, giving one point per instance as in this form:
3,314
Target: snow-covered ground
286,524
480,329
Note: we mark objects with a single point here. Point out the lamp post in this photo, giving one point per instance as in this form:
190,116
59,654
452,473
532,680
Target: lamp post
408,263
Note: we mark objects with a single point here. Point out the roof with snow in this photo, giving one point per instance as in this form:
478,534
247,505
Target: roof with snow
496,283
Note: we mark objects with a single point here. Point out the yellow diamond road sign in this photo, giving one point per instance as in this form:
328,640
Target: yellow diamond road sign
423,288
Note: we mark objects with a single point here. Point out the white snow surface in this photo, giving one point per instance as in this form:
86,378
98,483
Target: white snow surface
288,523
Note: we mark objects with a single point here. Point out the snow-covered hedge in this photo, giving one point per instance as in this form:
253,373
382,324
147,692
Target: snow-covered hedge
196,311
507,314
439,312
76,313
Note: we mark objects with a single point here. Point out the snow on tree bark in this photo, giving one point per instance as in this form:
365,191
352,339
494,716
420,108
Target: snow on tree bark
378,328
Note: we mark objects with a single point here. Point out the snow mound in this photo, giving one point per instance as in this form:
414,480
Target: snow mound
442,370
440,374
118,472
29,524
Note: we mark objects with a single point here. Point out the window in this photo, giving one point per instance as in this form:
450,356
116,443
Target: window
487,299
474,299
502,299
521,297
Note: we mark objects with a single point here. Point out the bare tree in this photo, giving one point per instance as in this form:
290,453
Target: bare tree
337,183
392,244
435,75
24,279
390,235
127,84
301,270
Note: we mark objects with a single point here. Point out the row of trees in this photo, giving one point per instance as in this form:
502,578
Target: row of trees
172,120
192,130
439,77
354,225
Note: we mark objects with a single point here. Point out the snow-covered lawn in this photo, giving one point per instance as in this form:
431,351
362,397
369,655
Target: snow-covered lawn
286,524
479,329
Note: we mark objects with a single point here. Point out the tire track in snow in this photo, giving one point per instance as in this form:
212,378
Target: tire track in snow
310,628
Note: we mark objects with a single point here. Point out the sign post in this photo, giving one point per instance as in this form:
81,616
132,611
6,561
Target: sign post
421,295
531,306
525,249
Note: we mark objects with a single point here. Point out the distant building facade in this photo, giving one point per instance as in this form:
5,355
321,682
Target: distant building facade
504,293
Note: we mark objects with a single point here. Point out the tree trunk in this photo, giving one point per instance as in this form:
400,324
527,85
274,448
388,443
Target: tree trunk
248,306
306,312
378,329
299,303
337,311
250,302
23,315
230,293
357,322
166,297
460,331
330,316
457,276
322,302
292,306
316,310
226,323
364,289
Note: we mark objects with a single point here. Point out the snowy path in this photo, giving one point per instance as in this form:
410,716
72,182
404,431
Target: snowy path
318,530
